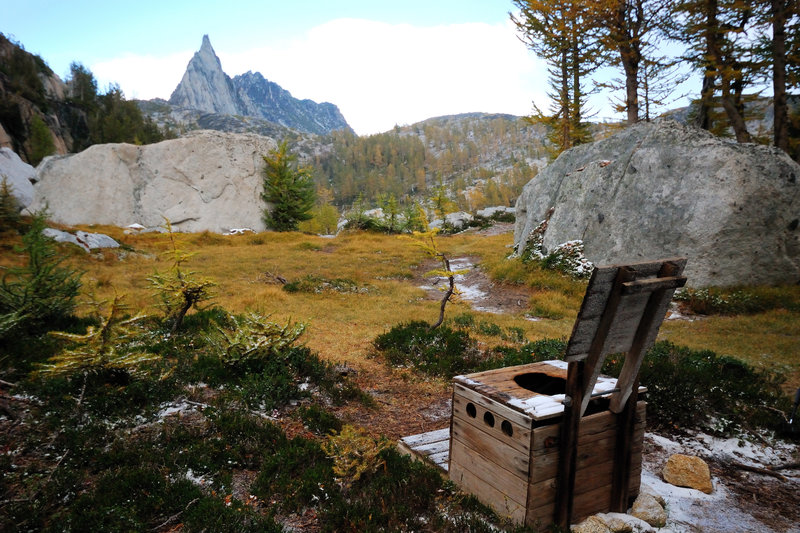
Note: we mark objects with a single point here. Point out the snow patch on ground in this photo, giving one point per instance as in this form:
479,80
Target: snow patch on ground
691,510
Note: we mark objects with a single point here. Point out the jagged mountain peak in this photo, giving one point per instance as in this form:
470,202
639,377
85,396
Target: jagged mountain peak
205,87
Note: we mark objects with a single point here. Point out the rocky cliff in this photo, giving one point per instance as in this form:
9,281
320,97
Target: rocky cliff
204,181
663,189
205,87
31,94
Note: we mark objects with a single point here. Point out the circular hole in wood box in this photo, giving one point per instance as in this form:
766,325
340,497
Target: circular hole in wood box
489,419
471,411
507,428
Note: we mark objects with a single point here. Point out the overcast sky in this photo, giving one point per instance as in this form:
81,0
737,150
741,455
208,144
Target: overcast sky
381,63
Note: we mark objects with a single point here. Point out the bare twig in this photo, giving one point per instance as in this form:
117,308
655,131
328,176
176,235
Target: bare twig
53,471
758,470
7,383
176,515
787,466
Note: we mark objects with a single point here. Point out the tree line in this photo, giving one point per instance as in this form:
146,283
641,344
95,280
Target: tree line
110,117
739,48
480,161
36,120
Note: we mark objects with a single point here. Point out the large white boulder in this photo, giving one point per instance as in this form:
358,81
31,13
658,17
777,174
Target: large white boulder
207,180
662,189
18,175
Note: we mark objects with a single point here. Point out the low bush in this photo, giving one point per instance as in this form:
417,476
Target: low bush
689,389
441,351
737,301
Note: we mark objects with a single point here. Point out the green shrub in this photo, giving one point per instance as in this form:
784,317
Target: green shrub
319,420
316,285
40,295
690,389
441,351
735,301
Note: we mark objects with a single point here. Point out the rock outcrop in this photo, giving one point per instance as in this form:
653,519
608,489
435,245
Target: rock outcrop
205,87
663,189
19,176
203,181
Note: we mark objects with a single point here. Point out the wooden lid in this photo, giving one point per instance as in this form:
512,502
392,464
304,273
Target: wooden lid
536,389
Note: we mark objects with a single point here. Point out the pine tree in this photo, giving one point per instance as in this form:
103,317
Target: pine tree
288,188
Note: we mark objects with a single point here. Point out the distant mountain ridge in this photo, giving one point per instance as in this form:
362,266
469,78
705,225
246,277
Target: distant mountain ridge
205,87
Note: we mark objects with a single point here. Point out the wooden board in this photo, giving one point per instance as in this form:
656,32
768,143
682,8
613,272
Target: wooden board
433,447
594,304
497,391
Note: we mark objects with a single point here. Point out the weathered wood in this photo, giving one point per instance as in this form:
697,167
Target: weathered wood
503,480
516,415
620,482
653,284
426,438
500,502
513,433
568,443
646,333
500,453
593,427
544,493
433,447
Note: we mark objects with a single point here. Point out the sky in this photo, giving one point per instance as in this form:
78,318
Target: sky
382,63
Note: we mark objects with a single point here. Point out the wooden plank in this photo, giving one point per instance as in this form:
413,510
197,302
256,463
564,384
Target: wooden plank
586,480
433,447
653,284
490,472
486,493
499,453
545,467
596,355
594,302
568,443
505,431
545,438
653,316
421,439
442,460
515,415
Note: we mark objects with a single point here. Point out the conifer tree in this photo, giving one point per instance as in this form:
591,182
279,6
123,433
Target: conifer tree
561,33
9,206
288,188
716,34
628,29
44,290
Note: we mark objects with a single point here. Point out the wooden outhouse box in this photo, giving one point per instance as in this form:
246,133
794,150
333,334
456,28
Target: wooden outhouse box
504,447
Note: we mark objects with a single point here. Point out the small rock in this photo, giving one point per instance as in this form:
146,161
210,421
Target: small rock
688,471
96,240
647,508
593,524
87,241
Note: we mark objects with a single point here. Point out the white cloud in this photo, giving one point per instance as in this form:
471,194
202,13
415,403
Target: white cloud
378,74
143,77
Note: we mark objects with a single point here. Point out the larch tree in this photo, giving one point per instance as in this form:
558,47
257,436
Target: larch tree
780,50
716,33
561,34
627,30
288,188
